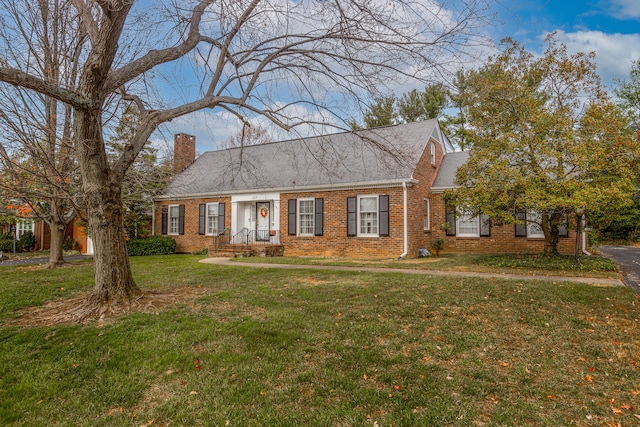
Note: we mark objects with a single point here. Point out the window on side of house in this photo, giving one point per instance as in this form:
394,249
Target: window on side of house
427,214
368,215
174,219
433,153
534,230
212,219
23,226
306,217
467,225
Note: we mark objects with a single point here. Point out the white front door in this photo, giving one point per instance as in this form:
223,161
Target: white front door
263,220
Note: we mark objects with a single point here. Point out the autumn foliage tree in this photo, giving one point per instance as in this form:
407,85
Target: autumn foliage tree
246,57
545,138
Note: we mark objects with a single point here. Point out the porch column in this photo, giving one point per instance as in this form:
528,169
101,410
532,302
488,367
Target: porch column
234,217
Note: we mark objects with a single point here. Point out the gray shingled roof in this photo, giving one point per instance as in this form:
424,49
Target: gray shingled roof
369,156
447,172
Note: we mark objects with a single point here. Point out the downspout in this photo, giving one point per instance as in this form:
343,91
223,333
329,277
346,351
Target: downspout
153,220
584,239
405,225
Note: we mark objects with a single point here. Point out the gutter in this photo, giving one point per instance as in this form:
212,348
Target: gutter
307,188
405,225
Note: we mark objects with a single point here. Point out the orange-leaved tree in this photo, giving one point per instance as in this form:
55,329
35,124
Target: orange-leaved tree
545,139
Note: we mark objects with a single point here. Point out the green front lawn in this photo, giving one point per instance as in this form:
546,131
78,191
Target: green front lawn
269,347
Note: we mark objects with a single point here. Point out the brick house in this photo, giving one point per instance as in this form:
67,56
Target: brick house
42,233
373,193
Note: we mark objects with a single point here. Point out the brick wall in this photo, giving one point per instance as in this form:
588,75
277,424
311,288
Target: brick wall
425,174
191,240
502,239
334,241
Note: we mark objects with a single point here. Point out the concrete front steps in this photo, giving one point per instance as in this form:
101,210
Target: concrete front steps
239,250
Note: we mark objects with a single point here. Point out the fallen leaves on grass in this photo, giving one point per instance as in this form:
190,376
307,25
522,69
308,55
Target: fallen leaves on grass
64,311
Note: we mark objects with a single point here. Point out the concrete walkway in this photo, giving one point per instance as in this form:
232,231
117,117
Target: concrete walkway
589,280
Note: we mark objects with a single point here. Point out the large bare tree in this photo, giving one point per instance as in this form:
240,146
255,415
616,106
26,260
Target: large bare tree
249,57
36,149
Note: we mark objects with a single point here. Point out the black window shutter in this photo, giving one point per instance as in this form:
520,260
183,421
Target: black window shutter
181,219
202,223
165,219
383,215
485,226
319,217
352,223
450,216
292,217
220,217
521,229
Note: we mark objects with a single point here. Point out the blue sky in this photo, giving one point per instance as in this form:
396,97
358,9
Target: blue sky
611,28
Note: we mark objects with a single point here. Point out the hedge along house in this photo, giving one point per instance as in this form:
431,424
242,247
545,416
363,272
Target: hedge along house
464,233
350,194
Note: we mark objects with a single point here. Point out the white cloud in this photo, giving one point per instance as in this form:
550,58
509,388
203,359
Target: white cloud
210,128
614,52
625,9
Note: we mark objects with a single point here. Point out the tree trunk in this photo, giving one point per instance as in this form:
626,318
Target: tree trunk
57,241
550,223
114,282
114,287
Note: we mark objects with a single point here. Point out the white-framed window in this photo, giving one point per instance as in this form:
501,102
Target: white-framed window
368,215
467,225
212,219
23,226
433,153
426,215
306,213
174,219
534,230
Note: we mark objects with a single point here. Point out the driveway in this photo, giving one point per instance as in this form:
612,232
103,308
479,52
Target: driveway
40,260
628,260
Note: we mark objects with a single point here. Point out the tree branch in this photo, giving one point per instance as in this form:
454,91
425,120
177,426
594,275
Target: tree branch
19,78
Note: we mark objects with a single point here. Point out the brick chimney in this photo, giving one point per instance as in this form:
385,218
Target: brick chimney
184,151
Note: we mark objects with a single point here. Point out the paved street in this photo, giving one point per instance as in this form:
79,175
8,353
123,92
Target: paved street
628,260
40,260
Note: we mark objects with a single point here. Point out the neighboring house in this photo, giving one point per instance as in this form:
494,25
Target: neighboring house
42,234
371,193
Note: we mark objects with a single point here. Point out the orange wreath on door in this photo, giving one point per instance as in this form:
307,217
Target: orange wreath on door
264,212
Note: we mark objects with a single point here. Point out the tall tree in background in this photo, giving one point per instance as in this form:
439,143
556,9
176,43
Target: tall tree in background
455,126
412,106
254,134
546,140
625,224
629,94
36,147
245,53
146,177
381,112
428,104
